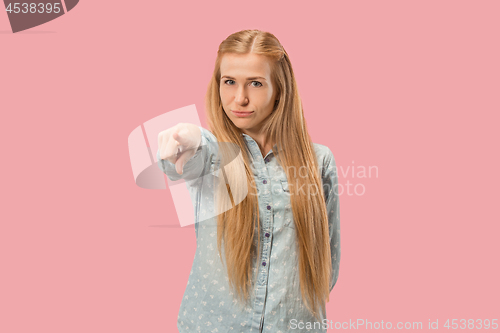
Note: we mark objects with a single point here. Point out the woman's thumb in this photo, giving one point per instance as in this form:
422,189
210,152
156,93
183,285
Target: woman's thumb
179,166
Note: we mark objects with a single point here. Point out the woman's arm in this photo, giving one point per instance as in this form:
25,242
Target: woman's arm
330,186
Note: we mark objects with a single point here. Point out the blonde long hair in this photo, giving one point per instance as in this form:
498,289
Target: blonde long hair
286,127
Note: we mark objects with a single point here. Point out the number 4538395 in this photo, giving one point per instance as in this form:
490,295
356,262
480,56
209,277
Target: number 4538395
33,8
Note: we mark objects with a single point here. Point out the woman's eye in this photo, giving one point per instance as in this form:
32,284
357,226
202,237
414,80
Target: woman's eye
231,82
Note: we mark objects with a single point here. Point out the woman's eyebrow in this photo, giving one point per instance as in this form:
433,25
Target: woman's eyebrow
248,78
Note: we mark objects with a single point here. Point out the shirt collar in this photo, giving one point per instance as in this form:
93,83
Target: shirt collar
250,140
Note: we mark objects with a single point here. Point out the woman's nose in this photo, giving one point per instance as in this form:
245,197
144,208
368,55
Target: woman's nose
241,97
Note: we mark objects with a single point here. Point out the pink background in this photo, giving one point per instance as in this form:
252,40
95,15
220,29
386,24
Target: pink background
409,87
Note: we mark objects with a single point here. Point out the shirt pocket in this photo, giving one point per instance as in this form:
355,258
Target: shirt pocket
284,186
285,213
213,166
213,170
206,198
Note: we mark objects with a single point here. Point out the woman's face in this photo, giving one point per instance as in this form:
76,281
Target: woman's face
246,86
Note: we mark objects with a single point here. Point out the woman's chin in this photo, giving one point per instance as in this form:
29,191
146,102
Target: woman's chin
241,123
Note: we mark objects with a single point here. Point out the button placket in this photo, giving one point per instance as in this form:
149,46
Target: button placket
267,240
266,197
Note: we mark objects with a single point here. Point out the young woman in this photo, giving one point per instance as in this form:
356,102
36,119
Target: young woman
266,261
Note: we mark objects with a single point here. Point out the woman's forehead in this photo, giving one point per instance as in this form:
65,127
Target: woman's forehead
245,65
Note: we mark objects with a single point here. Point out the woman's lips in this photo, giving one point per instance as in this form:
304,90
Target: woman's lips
241,114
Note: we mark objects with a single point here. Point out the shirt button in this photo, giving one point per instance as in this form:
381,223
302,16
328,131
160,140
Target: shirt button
267,234
264,263
265,181
269,207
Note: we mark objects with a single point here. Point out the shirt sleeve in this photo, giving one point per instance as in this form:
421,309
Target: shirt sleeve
330,187
196,165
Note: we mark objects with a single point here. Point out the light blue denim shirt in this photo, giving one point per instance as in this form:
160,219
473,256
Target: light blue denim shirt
276,301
